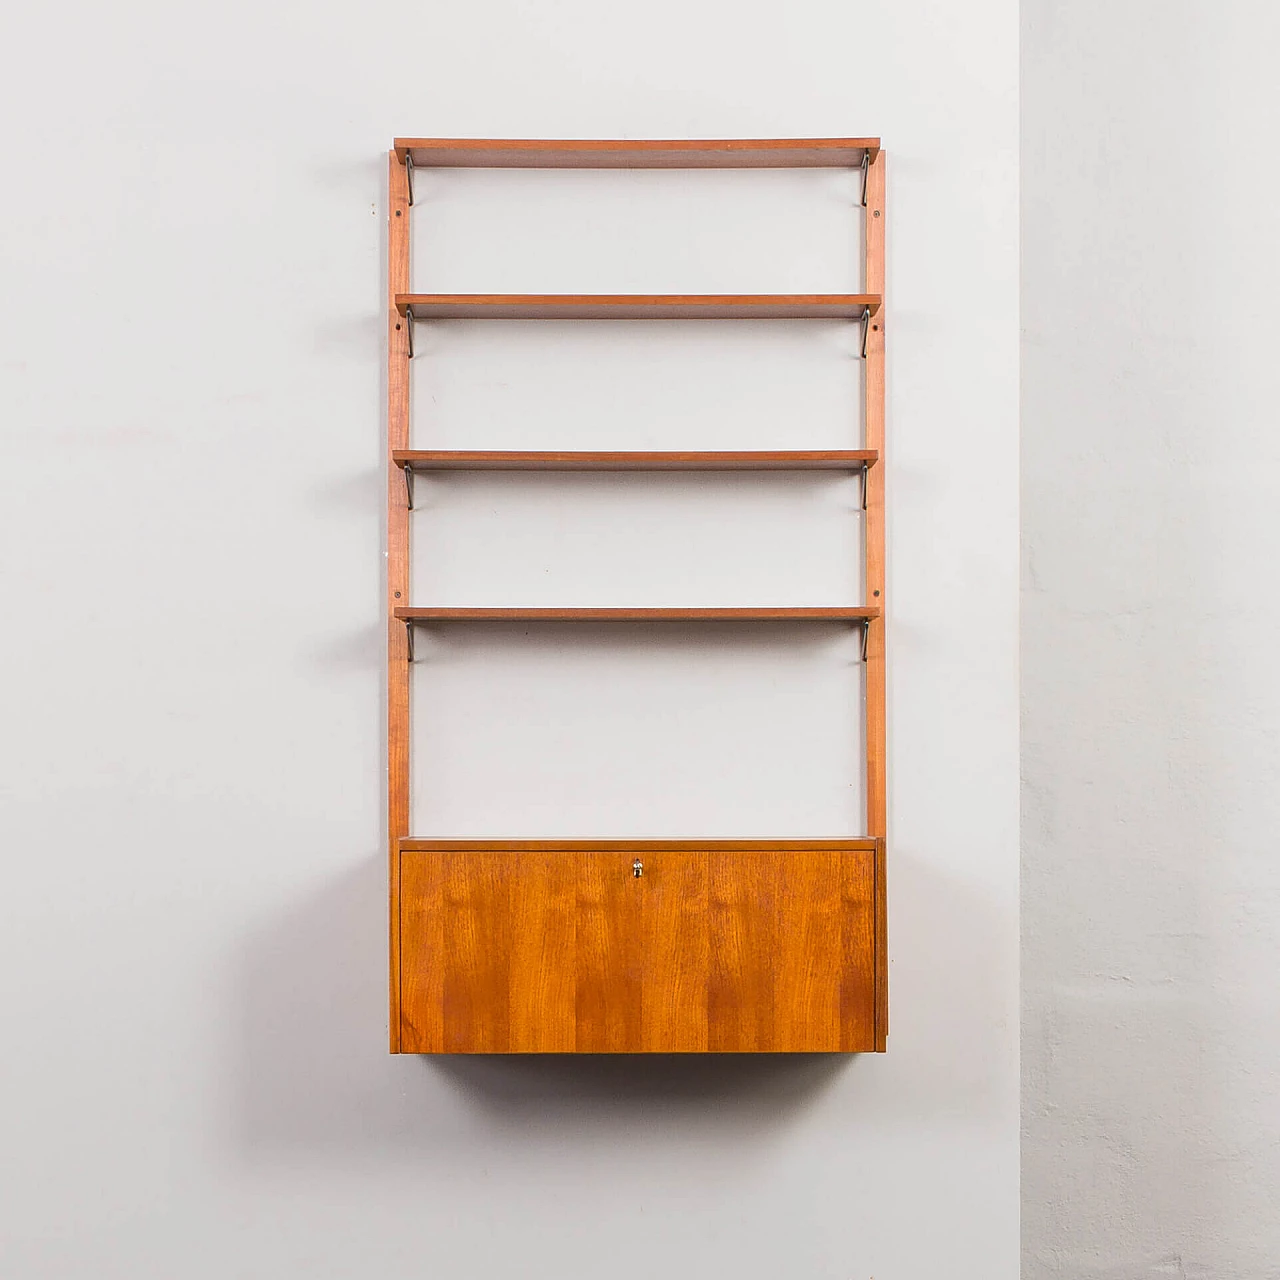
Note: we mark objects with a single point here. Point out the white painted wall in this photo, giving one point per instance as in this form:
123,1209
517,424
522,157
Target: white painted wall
194,1079
692,759
1151,1013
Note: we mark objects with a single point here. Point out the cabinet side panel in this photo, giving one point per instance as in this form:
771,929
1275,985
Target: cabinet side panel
421,954
543,896
477,948
862,956
743,927
676,953
609,954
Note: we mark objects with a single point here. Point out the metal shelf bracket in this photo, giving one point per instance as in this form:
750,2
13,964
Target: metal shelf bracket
866,166
866,626
408,177
408,486
866,326
408,631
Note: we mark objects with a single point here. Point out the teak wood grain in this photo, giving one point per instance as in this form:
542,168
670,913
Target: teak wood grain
635,460
708,153
636,306
720,950
793,963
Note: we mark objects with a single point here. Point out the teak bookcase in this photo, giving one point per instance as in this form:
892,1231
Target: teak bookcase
635,946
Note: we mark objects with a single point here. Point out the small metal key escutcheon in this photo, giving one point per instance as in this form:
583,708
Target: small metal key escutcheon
637,868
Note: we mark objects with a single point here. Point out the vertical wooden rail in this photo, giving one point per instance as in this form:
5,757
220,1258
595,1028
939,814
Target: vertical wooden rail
873,385
397,563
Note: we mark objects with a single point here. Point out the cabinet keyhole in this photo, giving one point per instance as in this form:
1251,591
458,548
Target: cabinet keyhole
637,868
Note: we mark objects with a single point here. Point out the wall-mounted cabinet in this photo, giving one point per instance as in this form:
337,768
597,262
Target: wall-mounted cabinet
634,946
651,947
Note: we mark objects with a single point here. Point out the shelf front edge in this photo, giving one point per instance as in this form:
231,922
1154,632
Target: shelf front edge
461,613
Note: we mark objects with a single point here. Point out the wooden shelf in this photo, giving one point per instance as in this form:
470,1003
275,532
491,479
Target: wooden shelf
841,613
497,460
575,153
636,306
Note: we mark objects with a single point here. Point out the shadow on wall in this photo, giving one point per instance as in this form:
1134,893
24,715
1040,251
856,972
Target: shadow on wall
312,1072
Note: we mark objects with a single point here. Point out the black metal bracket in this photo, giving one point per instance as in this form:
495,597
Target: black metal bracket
408,631
866,326
408,177
408,486
408,324
866,627
865,469
866,169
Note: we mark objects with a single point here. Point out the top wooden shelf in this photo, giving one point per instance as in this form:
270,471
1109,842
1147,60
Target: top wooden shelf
636,306
582,153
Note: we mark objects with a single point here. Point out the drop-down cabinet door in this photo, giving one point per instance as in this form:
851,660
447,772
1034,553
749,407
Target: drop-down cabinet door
640,949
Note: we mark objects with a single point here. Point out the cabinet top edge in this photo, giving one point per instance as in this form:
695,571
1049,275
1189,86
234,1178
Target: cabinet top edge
414,844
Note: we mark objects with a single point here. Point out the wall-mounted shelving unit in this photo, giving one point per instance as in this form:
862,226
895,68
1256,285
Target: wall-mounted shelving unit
513,946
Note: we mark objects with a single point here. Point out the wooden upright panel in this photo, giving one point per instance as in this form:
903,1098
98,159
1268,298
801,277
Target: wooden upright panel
397,560
877,739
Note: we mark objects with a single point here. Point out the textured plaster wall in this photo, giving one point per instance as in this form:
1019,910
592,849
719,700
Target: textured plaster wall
1151,525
